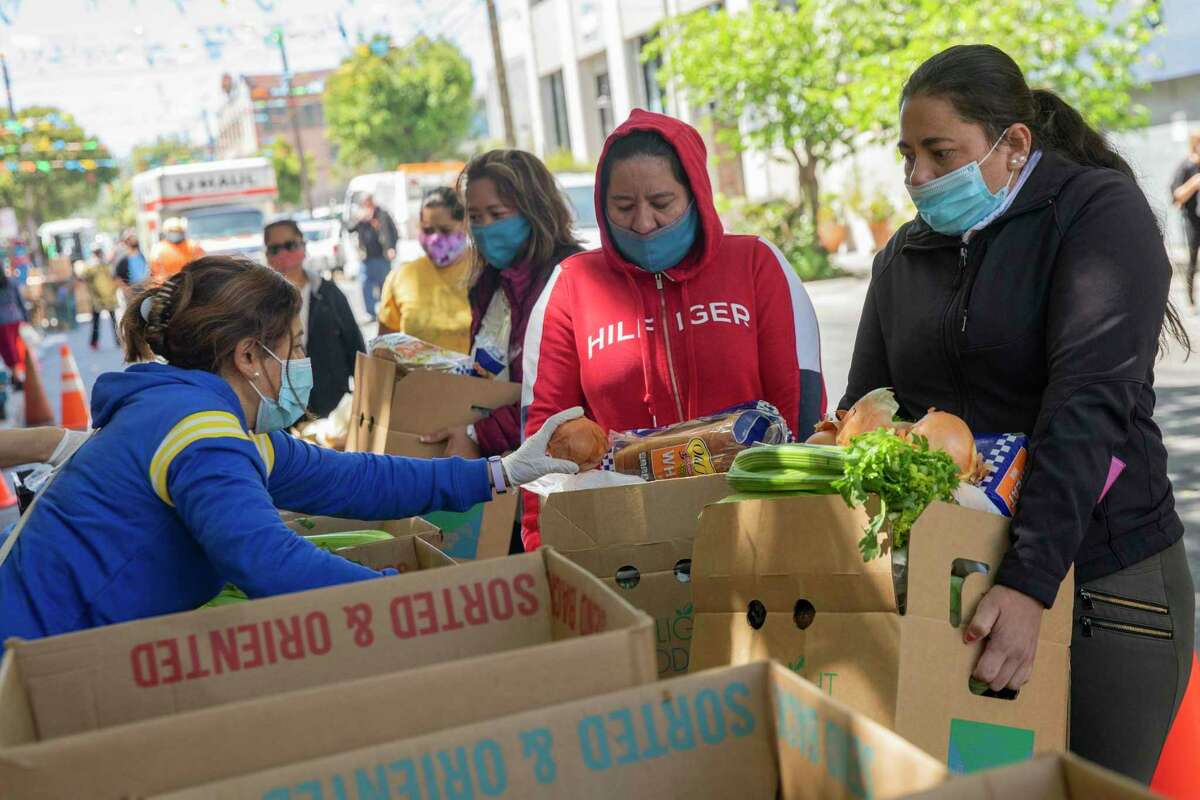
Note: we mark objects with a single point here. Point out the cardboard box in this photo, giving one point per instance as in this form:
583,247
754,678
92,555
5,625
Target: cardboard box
149,668
393,408
639,540
195,747
754,732
784,579
415,547
1057,776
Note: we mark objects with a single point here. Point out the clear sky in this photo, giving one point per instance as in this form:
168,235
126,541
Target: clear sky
131,70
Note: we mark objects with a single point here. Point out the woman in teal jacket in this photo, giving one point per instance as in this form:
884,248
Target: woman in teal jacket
177,491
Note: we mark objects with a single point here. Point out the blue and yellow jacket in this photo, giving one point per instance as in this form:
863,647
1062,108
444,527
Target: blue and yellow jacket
171,498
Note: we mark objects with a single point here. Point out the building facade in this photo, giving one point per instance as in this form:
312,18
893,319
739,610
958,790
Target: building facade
256,113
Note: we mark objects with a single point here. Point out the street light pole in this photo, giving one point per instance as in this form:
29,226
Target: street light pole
510,135
305,189
30,228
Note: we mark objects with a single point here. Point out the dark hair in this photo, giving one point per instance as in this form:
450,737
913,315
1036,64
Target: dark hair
641,144
291,224
987,87
197,317
445,197
523,182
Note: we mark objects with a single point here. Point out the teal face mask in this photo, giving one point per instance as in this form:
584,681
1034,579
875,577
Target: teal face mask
959,200
501,242
660,250
296,380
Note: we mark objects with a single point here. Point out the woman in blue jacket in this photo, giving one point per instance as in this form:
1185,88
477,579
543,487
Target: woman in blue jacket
176,492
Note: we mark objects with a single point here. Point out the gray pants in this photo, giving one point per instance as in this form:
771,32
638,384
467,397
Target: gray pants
1131,656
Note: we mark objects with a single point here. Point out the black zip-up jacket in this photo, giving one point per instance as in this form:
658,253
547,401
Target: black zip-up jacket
333,341
1046,323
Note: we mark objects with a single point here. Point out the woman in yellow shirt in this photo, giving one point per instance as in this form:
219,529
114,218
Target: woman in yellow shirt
427,298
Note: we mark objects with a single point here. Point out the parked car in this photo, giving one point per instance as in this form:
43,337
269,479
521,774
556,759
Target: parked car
323,239
580,188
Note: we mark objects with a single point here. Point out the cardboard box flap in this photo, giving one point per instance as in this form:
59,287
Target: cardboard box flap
403,554
656,511
953,556
161,665
754,550
425,401
858,758
745,732
310,525
673,556
1052,776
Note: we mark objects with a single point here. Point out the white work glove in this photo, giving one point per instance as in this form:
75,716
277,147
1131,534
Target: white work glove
531,461
67,446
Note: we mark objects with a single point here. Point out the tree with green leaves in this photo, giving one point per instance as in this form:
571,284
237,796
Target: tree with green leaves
389,105
286,162
820,79
164,151
59,167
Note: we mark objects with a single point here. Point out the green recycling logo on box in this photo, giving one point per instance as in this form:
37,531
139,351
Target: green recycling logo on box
976,746
460,530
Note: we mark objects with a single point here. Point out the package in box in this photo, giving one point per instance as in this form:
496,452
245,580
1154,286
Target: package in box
755,732
783,578
639,539
393,408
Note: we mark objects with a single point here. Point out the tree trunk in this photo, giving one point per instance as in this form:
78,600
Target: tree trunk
810,189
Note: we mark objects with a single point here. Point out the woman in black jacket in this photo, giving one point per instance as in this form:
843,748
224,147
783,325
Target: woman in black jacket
1030,295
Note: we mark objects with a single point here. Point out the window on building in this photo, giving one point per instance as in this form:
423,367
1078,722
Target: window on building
604,104
558,108
652,91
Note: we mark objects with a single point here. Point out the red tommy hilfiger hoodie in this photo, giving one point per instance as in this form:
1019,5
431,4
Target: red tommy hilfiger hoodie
730,323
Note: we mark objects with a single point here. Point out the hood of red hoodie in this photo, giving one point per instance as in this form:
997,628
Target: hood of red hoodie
694,157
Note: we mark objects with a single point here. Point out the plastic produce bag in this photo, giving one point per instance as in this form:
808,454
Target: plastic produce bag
704,446
410,353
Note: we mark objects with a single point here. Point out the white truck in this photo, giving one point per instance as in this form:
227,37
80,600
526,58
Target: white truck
226,204
400,193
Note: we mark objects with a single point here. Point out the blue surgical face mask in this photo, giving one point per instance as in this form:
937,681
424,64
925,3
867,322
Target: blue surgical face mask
296,380
660,249
959,200
503,240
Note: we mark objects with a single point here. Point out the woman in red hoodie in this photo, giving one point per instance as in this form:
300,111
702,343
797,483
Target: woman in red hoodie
522,228
672,318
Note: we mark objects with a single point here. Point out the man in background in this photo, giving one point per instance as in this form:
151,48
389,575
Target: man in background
174,252
377,238
1186,190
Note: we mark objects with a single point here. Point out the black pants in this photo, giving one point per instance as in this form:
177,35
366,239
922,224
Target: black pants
1192,226
1131,657
112,315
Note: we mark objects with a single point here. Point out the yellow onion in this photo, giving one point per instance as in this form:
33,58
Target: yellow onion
873,411
950,434
823,436
579,440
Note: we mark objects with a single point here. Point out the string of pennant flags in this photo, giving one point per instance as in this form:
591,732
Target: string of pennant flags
70,165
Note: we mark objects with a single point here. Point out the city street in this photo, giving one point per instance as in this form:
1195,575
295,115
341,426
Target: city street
838,303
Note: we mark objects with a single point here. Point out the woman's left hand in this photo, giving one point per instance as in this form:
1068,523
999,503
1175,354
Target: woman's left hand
458,443
1010,621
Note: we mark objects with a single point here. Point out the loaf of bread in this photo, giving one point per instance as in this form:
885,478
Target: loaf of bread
704,446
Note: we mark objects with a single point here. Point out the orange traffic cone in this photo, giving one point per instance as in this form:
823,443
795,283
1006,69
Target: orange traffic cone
1175,775
37,406
74,401
7,498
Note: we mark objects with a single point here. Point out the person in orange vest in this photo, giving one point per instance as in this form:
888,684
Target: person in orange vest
174,252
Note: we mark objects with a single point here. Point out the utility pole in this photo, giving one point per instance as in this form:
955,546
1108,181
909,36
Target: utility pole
305,189
510,134
30,228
